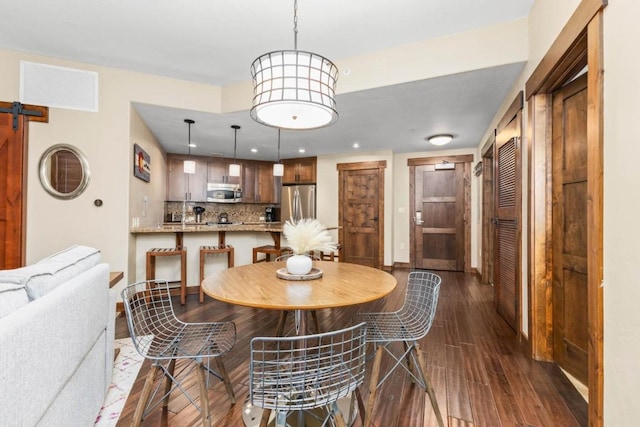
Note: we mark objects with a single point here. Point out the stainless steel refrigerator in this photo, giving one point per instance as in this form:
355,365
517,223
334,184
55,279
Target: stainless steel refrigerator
297,202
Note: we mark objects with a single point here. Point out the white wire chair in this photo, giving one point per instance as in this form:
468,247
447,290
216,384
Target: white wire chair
160,336
407,325
308,372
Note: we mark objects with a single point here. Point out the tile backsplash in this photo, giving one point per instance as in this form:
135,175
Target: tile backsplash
237,212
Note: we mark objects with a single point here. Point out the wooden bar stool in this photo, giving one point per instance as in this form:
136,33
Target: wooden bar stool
153,253
269,251
220,249
332,256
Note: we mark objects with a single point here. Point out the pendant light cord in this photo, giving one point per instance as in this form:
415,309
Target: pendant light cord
278,145
295,25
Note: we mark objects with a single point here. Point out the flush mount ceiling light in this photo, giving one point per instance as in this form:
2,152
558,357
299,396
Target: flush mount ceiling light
278,168
234,168
294,89
440,139
189,166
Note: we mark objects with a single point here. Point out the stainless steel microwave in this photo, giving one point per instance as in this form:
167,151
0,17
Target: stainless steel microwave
223,193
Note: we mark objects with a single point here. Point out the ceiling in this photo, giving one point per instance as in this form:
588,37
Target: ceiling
215,41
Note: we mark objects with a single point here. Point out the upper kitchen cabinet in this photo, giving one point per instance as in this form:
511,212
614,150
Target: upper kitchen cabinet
218,171
259,184
299,171
182,186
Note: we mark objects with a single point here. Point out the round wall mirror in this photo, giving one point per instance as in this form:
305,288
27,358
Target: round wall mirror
64,171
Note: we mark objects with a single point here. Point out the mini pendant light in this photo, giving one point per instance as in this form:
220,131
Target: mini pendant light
278,168
234,168
294,89
189,166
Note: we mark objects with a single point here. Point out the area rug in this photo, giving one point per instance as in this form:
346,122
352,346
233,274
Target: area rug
125,370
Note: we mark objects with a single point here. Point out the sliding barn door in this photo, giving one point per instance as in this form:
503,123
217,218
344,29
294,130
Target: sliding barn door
14,120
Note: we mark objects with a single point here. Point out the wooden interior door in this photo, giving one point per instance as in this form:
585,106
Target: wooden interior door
507,207
488,200
507,248
13,179
439,203
569,228
361,213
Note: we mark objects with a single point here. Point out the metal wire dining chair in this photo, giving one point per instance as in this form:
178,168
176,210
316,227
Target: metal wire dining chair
407,325
306,373
160,336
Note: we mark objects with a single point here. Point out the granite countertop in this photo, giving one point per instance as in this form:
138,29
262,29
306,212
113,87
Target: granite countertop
275,227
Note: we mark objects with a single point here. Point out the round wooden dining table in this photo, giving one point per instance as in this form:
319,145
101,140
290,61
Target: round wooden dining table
258,285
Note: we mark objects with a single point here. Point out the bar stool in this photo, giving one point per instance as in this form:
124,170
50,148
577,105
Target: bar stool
154,253
331,256
268,250
220,249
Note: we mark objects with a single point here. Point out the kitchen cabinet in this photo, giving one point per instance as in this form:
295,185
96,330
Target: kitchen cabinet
299,171
259,184
218,171
183,186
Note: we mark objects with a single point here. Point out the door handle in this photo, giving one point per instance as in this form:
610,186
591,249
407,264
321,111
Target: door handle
418,218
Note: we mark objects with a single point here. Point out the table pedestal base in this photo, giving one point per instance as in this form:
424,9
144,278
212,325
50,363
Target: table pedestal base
251,415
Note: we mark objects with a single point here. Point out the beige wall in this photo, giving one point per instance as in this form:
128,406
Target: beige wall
105,138
146,199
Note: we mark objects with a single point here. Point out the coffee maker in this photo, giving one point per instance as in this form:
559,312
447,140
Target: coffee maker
270,214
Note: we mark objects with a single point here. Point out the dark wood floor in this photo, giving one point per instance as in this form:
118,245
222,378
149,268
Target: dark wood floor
480,370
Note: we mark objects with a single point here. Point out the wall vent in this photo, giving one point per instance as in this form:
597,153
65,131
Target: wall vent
58,87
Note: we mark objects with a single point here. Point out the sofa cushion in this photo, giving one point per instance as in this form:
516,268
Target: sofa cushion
13,295
43,276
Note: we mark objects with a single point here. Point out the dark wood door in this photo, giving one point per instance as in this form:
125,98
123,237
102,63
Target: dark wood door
488,213
569,207
507,242
14,119
439,217
360,216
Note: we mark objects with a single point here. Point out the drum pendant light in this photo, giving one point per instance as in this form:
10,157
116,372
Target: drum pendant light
189,166
294,89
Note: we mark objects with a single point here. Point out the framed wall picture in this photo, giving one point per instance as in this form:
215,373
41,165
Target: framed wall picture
141,163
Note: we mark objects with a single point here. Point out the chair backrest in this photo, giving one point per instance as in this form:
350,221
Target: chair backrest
150,317
298,373
421,301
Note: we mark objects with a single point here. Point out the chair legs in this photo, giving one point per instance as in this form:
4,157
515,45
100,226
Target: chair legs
157,370
427,384
421,373
145,394
204,397
225,379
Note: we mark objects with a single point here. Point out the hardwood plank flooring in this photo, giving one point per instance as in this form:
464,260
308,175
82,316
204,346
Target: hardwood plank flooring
480,370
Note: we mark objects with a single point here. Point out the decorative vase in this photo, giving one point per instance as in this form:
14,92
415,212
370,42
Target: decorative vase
299,264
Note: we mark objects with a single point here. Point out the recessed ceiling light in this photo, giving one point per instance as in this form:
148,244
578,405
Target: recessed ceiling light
301,150
440,139
356,145
254,150
192,145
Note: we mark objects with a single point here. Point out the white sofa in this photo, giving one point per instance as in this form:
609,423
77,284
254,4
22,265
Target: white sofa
56,340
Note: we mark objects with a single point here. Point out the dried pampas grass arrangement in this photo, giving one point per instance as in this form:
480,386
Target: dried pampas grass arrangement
307,235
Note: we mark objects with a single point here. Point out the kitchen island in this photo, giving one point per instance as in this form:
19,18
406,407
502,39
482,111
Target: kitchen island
242,236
